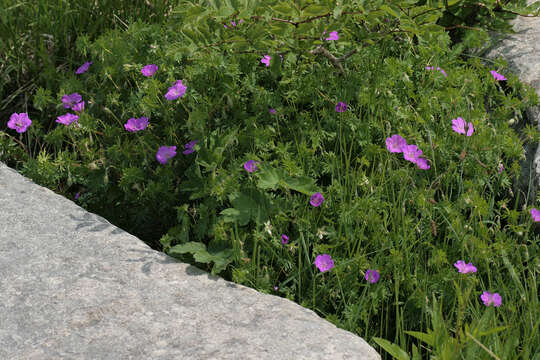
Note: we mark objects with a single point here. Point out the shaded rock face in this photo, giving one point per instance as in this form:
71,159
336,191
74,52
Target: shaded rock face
73,286
522,52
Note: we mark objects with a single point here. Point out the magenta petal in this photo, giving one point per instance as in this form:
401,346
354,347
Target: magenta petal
470,129
251,166
266,60
458,125
411,153
324,262
535,213
372,276
149,70
19,122
422,164
83,68
316,199
164,153
395,144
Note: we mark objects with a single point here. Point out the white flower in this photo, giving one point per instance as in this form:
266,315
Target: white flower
321,233
268,227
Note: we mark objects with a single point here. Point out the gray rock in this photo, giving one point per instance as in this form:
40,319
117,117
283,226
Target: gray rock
73,286
522,52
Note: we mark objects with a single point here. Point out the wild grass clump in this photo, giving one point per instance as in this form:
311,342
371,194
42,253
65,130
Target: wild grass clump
351,158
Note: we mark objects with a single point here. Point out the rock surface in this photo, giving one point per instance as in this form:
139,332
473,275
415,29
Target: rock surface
73,286
522,52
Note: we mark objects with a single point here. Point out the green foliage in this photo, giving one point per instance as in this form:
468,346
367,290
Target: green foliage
380,212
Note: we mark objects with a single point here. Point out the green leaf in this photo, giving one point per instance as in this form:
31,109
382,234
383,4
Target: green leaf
43,98
316,10
253,206
389,11
220,258
190,247
280,28
303,184
284,9
275,65
232,215
493,331
392,349
268,178
427,338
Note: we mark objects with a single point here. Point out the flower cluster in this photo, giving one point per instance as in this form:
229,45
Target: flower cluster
486,297
324,262
73,101
233,24
438,68
397,144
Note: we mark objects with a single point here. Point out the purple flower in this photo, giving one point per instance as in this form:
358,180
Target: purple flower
84,67
284,239
497,76
67,119
489,299
333,36
275,288
77,195
19,122
535,214
422,163
177,90
441,70
341,107
189,147
464,268
316,199
78,107
500,168
395,143
233,24
458,125
164,153
438,68
266,60
134,125
372,276
324,262
70,100
149,70
411,153
272,111
251,165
